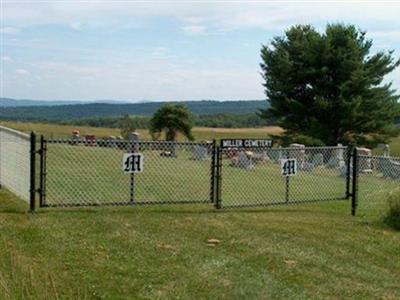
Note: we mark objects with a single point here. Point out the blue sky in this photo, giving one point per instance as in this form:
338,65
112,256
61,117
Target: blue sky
162,50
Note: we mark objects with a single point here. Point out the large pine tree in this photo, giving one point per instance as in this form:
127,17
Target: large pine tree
328,86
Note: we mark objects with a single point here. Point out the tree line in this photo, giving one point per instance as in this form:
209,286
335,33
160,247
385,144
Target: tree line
248,120
99,110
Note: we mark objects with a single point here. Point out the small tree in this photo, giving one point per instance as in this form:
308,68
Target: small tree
127,126
327,88
172,118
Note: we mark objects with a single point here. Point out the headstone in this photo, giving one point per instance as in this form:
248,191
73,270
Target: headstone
318,159
343,170
337,159
134,136
75,137
386,151
168,154
261,157
307,166
390,168
200,153
364,160
298,152
244,161
385,148
112,141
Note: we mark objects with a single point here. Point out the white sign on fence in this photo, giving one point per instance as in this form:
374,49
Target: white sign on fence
289,167
132,163
251,143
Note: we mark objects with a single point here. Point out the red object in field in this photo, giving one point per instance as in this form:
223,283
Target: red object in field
90,140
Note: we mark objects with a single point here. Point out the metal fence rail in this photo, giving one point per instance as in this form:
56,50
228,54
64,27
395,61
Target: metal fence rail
15,162
253,177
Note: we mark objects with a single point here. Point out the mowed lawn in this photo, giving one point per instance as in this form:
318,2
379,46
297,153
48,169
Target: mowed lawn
309,251
297,252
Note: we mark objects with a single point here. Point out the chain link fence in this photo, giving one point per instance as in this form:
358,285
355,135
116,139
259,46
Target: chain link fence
84,173
377,175
15,162
255,177
81,172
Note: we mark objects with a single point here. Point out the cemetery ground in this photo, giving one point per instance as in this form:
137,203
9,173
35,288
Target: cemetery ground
300,251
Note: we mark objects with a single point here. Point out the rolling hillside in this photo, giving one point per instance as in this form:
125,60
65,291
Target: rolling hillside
9,102
78,111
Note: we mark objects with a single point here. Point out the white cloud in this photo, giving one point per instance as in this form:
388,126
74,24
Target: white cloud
221,15
9,30
150,78
393,35
22,72
394,77
72,69
152,72
7,59
194,29
76,25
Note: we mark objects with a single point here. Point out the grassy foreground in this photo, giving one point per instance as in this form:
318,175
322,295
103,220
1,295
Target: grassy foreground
299,252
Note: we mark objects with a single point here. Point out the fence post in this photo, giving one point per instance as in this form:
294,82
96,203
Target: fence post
354,193
213,154
32,172
218,178
134,149
287,181
42,178
348,172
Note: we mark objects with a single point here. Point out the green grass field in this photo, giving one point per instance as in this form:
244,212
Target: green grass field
93,175
200,133
303,251
313,251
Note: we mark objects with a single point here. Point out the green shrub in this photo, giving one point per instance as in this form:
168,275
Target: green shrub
393,212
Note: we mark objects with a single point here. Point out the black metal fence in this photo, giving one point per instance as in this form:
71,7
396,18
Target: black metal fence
81,174
376,176
256,176
67,173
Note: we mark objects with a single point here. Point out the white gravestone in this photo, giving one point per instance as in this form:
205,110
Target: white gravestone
385,148
244,161
337,158
299,153
364,160
200,153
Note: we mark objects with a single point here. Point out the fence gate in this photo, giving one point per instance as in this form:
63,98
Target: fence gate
114,172
262,176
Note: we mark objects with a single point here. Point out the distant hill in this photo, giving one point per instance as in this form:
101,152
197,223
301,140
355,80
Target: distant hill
9,102
80,111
